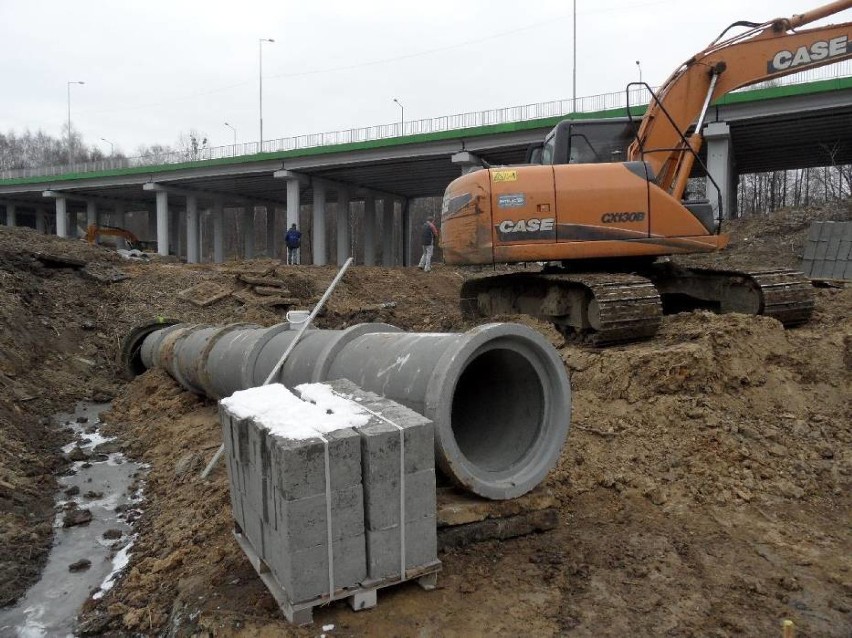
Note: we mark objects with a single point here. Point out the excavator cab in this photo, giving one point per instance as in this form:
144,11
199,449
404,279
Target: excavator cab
600,141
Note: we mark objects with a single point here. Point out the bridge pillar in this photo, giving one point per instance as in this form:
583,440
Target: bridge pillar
271,238
120,219
388,206
318,239
192,236
174,232
343,239
293,202
369,230
92,215
40,224
248,238
720,164
218,231
11,215
61,217
162,223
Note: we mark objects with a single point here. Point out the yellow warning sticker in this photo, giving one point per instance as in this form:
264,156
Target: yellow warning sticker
504,176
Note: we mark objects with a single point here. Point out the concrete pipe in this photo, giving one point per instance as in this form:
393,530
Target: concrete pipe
498,394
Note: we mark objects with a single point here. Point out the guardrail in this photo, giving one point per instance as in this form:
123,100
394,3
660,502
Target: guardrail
541,110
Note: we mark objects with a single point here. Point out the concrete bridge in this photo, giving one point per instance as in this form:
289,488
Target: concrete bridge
784,127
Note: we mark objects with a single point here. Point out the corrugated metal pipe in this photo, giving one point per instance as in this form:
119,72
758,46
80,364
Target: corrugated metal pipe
498,394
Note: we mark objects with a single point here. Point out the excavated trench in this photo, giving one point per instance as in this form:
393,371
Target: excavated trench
97,502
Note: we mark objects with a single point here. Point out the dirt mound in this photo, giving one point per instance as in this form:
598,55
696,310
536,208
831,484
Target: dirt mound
771,241
694,353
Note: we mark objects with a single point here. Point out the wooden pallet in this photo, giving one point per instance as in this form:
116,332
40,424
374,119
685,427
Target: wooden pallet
363,597
205,294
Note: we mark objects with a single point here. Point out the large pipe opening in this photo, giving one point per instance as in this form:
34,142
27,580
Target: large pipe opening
497,410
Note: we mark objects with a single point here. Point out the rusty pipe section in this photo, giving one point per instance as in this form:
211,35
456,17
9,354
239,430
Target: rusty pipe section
498,394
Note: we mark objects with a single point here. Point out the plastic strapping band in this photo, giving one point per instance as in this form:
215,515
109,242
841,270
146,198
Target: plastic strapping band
401,431
329,538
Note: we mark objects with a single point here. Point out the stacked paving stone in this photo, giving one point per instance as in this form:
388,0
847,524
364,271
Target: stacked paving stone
385,474
278,496
828,251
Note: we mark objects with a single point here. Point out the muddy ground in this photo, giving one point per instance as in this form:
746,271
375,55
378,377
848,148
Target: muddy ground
704,489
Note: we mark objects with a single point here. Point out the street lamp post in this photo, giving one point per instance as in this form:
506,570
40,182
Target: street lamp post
111,146
639,66
401,117
69,83
574,62
260,42
235,132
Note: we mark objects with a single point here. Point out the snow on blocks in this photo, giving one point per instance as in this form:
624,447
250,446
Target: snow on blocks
334,467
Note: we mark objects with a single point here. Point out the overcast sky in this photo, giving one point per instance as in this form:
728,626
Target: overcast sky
154,69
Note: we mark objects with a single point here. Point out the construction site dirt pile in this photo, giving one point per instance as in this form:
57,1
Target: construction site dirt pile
704,490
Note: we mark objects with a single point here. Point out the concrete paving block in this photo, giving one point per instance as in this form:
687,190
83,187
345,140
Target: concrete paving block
418,432
302,524
233,491
382,500
344,448
240,439
298,467
256,473
253,528
833,248
304,574
384,547
381,446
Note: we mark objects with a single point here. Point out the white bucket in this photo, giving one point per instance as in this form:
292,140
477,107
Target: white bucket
297,317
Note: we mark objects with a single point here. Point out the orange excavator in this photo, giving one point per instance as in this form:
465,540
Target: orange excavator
606,200
113,236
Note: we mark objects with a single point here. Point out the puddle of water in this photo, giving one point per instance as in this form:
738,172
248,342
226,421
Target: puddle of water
50,606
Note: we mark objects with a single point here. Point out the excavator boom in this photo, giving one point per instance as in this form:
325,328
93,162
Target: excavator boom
764,51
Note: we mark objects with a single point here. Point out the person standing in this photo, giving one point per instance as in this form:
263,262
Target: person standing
430,236
293,241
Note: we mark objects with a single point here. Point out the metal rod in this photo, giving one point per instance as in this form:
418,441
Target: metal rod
713,79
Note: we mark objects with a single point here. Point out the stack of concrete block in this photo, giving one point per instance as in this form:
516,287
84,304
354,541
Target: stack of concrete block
828,251
398,487
278,495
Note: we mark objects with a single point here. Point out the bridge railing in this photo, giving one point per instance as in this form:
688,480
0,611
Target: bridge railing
523,113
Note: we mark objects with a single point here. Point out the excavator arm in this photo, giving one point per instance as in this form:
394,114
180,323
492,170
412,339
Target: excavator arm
764,51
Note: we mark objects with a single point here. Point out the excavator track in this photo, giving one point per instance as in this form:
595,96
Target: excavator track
784,294
608,308
596,308
788,295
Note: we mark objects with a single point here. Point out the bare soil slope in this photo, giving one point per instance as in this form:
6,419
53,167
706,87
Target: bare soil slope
704,490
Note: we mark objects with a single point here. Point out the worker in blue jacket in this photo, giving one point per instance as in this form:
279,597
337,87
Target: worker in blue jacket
293,241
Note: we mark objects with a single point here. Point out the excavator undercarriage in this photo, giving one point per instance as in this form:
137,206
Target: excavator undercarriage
608,308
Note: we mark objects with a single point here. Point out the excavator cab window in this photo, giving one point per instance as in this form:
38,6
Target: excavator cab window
599,142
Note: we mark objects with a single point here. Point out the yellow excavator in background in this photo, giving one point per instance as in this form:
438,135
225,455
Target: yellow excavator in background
119,238
607,223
